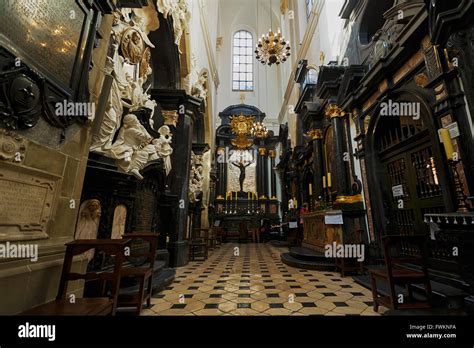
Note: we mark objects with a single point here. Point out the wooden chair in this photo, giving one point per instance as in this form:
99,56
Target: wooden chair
402,253
199,247
144,273
106,304
218,232
211,240
351,265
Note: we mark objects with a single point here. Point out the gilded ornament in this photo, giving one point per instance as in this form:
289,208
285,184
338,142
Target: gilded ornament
242,124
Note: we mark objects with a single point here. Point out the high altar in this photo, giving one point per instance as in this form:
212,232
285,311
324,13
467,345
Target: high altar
245,185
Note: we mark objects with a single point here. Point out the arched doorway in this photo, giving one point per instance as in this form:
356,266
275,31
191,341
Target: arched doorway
406,173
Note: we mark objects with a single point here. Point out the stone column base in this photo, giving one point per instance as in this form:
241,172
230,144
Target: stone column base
179,252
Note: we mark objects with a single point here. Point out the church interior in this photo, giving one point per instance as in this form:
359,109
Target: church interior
225,158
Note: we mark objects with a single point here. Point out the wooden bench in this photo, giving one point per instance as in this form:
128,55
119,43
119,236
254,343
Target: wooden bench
401,254
106,303
143,274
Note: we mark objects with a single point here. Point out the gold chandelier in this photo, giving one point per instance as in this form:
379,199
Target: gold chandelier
259,130
272,48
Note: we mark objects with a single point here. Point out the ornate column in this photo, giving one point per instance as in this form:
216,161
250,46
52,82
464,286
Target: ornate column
221,172
266,177
179,187
196,187
261,161
316,135
272,154
174,220
343,173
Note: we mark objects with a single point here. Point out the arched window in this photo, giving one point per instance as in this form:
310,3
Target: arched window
242,61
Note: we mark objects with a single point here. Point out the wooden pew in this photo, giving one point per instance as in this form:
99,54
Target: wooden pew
143,274
106,304
399,271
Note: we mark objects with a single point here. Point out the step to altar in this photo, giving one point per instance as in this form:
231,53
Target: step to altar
306,258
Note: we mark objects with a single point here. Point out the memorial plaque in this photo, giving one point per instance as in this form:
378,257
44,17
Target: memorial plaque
46,33
26,202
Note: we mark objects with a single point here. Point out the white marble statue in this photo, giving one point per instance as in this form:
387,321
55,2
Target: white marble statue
163,147
102,142
133,146
164,7
199,89
87,225
189,80
196,177
181,18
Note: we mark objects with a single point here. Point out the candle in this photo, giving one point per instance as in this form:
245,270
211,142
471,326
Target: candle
248,195
296,204
310,189
329,180
324,181
230,194
447,142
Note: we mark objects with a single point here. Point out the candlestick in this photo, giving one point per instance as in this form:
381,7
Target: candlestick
329,180
324,181
447,142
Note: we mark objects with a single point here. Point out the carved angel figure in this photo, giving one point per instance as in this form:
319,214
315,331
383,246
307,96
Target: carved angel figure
181,18
133,146
199,88
102,142
164,7
163,147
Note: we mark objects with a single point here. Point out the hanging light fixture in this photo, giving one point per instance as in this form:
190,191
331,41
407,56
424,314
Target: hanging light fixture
259,130
272,48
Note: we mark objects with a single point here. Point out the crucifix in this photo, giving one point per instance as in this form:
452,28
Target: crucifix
241,167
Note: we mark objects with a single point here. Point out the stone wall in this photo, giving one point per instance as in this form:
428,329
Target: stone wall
25,283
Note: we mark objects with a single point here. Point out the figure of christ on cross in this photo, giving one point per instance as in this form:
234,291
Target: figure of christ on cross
241,167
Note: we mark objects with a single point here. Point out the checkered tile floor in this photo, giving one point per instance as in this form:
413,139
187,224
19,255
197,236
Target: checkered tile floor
256,282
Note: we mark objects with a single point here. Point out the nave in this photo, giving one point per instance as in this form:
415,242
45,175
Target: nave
257,283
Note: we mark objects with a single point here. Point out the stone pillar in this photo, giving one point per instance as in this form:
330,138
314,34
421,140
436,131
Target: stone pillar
261,161
197,207
341,151
179,176
318,162
272,154
221,172
265,174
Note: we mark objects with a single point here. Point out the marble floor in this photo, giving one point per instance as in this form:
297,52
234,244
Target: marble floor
250,279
